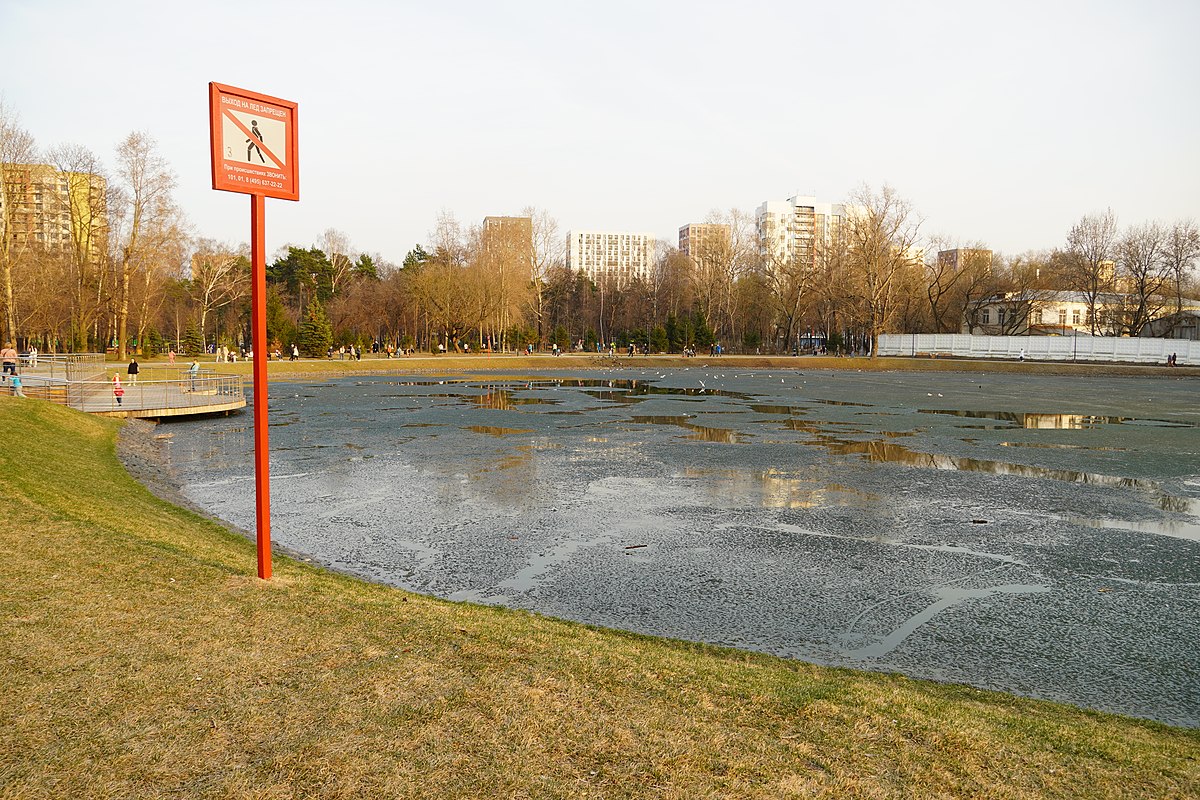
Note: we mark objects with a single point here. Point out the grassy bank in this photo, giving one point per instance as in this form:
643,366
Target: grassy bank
139,658
452,363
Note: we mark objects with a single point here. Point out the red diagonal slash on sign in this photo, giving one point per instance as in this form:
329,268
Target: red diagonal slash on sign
279,162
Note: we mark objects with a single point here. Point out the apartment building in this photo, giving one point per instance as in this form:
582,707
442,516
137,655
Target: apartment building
611,257
961,258
515,233
507,243
50,211
697,239
791,230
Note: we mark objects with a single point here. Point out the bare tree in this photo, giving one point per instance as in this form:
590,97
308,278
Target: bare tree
1180,251
549,252
1091,245
87,212
220,276
1019,282
18,153
673,281
337,248
788,279
725,250
164,251
145,207
882,234
1146,273
439,285
951,283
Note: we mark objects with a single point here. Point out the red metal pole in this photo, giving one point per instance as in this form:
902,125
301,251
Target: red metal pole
258,329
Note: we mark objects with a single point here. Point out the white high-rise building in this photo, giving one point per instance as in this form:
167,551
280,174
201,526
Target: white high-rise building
615,258
790,230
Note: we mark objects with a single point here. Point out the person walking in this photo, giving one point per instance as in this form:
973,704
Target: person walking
16,384
8,356
295,352
133,369
118,389
33,354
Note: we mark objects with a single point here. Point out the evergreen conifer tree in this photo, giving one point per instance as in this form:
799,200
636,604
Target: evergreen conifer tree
316,334
193,342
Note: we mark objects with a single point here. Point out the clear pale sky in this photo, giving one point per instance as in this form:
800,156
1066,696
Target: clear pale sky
1000,122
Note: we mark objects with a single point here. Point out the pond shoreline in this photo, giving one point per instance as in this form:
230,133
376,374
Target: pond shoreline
506,363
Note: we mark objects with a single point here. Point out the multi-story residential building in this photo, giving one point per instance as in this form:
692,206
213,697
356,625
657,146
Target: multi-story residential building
790,231
510,233
51,211
614,258
962,257
506,246
697,239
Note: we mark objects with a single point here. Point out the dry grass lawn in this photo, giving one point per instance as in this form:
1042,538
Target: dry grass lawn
140,659
509,363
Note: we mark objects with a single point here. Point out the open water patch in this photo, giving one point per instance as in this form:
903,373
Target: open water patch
828,516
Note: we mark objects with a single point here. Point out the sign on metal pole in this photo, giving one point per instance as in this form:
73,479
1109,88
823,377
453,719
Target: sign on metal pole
255,152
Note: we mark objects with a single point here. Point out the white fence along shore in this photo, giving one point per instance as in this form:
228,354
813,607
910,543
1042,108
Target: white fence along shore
1135,350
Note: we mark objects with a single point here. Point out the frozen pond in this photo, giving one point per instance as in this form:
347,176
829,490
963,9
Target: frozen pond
1039,535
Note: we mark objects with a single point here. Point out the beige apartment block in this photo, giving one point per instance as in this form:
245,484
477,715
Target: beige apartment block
43,210
697,239
506,243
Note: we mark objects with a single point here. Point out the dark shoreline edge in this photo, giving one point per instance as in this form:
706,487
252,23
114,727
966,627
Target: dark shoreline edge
142,450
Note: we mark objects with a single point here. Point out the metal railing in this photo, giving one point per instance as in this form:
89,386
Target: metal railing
182,390
63,366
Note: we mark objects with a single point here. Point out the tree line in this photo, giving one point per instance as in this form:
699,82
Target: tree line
137,278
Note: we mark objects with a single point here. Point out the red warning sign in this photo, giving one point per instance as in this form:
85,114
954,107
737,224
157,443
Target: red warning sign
254,145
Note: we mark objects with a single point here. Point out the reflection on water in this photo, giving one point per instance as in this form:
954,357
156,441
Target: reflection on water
499,399
494,430
701,433
766,408
774,488
1057,421
841,403
1054,446
1179,529
898,454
